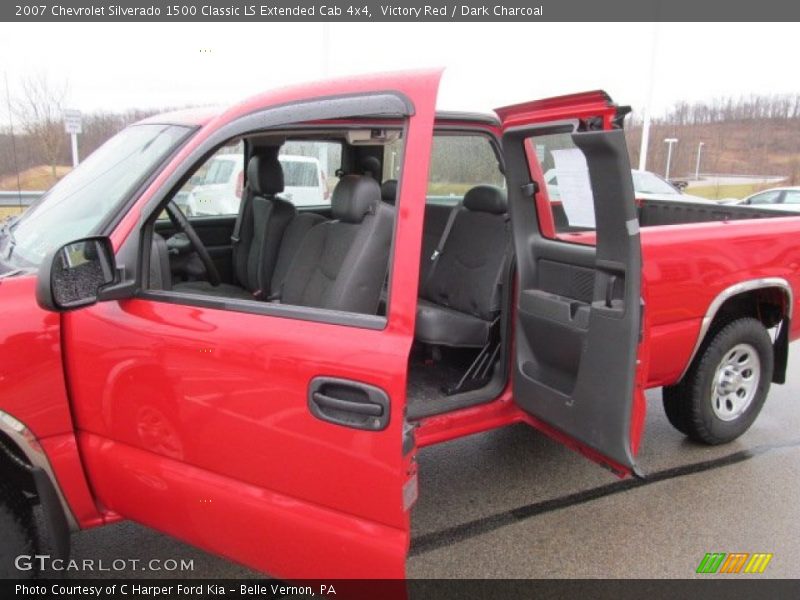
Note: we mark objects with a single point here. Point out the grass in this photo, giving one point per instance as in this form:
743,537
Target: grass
720,192
35,178
9,211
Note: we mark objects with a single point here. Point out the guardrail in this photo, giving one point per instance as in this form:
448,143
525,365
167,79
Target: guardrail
23,198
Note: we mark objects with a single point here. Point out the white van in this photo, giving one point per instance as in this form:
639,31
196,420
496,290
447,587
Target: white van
219,190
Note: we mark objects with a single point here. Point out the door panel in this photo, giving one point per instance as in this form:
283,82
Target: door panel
196,420
219,407
579,307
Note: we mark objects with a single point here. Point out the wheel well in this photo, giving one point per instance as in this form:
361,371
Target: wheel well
16,467
769,305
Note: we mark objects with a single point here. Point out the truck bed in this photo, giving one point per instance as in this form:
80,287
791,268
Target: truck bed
669,212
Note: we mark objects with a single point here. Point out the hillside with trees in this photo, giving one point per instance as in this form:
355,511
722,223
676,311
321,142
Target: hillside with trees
758,135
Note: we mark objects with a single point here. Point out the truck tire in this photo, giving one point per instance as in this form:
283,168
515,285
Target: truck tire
726,386
18,534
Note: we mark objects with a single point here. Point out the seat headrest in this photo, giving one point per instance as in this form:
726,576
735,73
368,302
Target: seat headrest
371,166
389,191
265,173
486,198
353,197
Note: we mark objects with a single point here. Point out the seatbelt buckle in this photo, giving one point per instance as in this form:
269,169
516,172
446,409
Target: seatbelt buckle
435,254
235,239
257,294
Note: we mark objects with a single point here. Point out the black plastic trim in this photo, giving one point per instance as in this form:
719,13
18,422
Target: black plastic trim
55,522
259,307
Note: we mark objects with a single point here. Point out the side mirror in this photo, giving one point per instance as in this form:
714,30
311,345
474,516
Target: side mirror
681,185
73,275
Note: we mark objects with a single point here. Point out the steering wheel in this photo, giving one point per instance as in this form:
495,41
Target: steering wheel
183,225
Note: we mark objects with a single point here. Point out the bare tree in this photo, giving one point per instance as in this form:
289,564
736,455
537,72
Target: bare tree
40,112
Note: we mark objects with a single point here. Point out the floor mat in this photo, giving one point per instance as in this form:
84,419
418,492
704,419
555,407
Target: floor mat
425,381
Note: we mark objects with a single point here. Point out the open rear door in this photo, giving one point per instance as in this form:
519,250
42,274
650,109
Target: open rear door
579,303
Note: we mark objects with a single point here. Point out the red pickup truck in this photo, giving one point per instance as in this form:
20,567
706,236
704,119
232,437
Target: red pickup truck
259,383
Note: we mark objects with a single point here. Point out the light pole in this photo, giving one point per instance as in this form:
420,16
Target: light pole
649,102
697,166
669,142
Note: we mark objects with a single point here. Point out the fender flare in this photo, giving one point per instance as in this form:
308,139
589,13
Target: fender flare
58,520
741,288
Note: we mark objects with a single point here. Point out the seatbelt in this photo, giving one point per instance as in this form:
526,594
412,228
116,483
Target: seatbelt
237,226
505,269
446,233
451,218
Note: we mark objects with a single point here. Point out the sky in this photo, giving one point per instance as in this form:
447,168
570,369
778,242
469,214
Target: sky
114,66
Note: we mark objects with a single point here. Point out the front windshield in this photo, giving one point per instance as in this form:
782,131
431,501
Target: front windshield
80,202
647,183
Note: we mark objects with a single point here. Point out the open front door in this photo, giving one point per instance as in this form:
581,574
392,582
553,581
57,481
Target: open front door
578,298
270,433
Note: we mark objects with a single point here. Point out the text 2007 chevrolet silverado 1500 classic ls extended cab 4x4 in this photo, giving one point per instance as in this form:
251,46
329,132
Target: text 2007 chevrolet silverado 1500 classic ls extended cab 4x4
258,383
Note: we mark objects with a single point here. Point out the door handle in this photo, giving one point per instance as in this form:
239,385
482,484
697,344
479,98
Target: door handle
612,283
360,408
349,403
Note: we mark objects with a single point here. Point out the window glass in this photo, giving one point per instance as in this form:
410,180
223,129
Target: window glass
792,197
309,171
216,187
392,156
765,198
458,163
77,204
645,182
281,267
566,176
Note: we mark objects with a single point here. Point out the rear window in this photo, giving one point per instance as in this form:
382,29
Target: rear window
309,171
566,176
458,163
299,173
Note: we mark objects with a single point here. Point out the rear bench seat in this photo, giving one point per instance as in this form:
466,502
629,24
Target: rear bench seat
460,290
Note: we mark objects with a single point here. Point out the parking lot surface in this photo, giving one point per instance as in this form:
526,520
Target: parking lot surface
511,503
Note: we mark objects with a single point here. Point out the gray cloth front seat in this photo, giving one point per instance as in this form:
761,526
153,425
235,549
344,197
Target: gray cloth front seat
342,264
460,297
264,219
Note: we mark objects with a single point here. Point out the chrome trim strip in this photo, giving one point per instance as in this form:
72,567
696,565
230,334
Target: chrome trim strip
27,442
734,290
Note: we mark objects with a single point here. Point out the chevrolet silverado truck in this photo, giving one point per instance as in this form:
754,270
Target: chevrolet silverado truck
259,383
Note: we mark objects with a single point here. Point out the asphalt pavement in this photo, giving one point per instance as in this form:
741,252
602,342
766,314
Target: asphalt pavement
511,503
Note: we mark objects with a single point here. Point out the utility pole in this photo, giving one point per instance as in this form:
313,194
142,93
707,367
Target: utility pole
697,166
669,142
648,106
13,141
322,150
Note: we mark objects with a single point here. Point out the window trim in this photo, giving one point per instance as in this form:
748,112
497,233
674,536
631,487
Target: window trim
268,309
